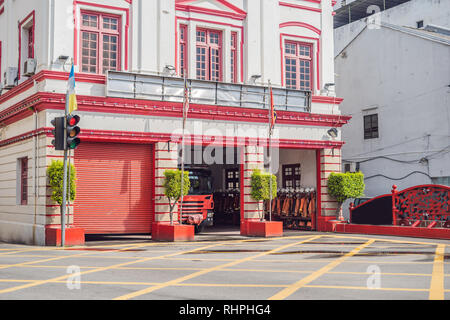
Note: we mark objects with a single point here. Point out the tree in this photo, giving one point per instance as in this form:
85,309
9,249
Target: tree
343,186
260,187
172,188
55,175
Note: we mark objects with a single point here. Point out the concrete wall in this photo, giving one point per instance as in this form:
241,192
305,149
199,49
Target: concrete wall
407,14
14,13
404,79
24,223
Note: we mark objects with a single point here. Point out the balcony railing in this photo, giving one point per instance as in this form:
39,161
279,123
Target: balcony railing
159,88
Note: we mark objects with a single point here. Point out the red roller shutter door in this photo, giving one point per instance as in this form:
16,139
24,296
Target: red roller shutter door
114,188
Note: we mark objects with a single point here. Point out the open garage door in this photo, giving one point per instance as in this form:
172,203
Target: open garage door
114,188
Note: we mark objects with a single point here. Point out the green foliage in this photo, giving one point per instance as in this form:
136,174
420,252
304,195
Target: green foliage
172,184
55,175
260,184
343,186
172,187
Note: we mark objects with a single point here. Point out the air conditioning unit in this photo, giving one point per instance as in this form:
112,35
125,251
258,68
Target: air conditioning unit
9,77
29,67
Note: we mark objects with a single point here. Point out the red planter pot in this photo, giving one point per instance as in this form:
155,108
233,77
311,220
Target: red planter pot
172,233
264,229
74,237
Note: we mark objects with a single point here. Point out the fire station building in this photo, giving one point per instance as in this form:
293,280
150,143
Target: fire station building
130,57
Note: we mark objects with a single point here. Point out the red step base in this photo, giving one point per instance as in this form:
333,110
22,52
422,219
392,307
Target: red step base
172,233
74,237
401,231
264,229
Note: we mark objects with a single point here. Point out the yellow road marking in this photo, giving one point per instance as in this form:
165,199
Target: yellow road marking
301,283
69,256
364,288
63,249
237,285
385,240
307,261
233,270
40,282
437,280
202,272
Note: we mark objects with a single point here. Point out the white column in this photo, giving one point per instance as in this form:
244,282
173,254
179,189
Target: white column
327,46
252,35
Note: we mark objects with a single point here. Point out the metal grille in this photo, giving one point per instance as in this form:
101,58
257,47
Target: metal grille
114,188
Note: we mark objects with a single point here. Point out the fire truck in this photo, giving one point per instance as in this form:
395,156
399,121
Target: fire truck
198,205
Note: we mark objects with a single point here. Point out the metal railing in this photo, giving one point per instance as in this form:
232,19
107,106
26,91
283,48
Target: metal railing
160,88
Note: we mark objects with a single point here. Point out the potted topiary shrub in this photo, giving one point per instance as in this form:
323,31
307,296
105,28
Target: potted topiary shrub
261,191
172,188
343,186
260,184
55,174
172,191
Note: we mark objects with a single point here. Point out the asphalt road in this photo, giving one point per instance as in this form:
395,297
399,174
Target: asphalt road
224,266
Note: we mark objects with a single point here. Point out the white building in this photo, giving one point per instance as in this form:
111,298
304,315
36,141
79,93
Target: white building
394,78
129,56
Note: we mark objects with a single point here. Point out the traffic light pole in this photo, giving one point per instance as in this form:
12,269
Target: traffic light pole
64,198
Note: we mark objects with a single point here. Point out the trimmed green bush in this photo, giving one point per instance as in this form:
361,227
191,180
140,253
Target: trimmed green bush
260,186
343,186
55,174
172,188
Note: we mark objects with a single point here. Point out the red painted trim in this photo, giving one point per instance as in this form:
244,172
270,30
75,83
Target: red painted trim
301,25
100,31
21,23
52,75
297,6
314,65
424,186
153,183
44,101
399,231
179,44
329,100
76,30
237,13
25,136
241,28
242,196
319,194
212,12
139,137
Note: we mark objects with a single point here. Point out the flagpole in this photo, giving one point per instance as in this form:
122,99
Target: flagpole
182,147
68,187
64,199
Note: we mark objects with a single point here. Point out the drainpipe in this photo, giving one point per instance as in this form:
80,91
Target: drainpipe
35,173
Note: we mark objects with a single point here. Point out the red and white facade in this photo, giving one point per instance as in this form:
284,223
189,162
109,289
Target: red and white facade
128,142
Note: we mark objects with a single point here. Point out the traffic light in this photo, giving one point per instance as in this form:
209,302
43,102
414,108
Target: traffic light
72,132
58,132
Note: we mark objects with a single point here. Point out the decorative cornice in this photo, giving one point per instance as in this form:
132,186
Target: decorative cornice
46,100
